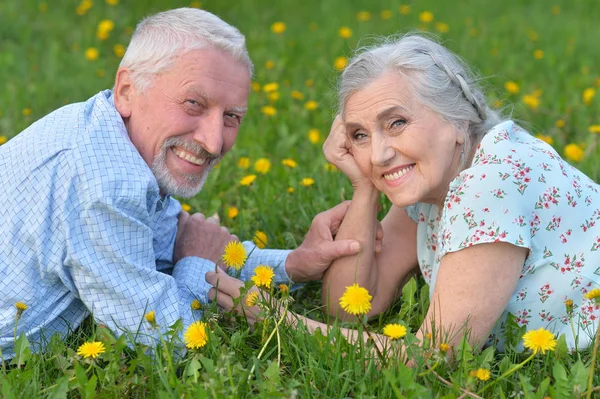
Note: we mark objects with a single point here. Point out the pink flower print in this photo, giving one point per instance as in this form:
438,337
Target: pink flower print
421,217
534,223
501,136
577,187
542,179
563,237
576,282
522,294
548,198
547,253
545,292
571,200
520,221
486,209
545,316
588,200
545,167
596,244
469,218
503,176
554,223
587,224
523,316
483,175
498,193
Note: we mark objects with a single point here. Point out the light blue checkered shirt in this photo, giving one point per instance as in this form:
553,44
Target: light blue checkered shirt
84,229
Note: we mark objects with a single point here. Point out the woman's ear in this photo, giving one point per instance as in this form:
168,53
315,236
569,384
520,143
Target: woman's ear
123,92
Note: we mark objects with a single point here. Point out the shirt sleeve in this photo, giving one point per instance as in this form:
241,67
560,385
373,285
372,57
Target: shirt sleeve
274,258
110,266
484,205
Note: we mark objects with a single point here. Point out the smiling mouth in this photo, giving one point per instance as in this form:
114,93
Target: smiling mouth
399,173
187,156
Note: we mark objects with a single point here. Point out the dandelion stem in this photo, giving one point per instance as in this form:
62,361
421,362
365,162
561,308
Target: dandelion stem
379,354
507,373
275,330
573,330
594,355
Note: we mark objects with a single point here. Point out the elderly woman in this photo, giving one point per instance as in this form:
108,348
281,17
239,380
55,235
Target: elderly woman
493,218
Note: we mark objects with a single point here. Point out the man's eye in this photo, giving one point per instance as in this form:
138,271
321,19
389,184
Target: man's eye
234,118
192,102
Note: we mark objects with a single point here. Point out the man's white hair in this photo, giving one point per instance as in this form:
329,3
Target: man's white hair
159,39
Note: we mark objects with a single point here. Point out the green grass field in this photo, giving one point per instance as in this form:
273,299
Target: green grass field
539,62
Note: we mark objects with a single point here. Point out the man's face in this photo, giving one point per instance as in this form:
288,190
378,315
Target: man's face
189,118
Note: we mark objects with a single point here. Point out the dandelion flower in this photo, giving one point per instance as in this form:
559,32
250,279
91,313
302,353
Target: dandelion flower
251,298
271,87
91,349
404,9
263,276
112,2
426,16
532,101
260,239
247,180
591,129
560,123
262,165
307,181
186,207
269,110
345,32
340,63
311,105
309,83
539,340
511,87
119,50
538,54
26,111
196,336
314,136
232,212
363,16
356,300
291,190
574,152
547,139
278,27
386,14
269,64
394,331
234,255
244,162
3,139
196,305
290,163
444,347
569,306
92,54
594,295
274,96
256,86
329,167
297,95
588,95
442,27
284,289
21,307
482,374
151,317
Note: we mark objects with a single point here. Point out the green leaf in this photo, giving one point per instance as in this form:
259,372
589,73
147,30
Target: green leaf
542,388
562,350
90,388
579,376
80,376
22,350
562,389
60,390
7,390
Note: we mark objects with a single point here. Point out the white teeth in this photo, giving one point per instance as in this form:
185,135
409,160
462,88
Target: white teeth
189,157
398,174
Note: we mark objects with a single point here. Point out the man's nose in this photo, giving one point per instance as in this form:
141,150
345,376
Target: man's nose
209,133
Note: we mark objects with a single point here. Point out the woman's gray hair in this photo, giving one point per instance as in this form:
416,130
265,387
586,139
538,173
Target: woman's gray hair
160,38
440,80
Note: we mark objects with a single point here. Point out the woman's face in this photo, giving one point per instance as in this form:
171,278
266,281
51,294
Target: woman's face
409,152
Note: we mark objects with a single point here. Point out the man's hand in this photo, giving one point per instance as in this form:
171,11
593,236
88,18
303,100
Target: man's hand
310,260
197,236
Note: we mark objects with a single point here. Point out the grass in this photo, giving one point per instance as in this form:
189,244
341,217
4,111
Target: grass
43,66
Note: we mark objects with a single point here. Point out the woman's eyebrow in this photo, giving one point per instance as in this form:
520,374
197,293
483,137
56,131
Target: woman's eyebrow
386,113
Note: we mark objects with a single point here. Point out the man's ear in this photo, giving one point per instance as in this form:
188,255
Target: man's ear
123,92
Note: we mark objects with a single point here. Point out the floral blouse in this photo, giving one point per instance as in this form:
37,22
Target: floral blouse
518,190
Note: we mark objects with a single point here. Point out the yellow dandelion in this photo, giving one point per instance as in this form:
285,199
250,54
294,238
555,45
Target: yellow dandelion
271,87
591,129
573,152
274,96
196,305
394,331
386,14
100,73
307,181
404,9
560,123
195,4
232,212
426,16
269,110
482,374
255,86
444,347
569,306
112,2
329,167
356,300
297,95
290,163
311,105
43,7
21,307
363,16
538,54
497,104
427,335
92,54
539,340
547,139
119,50
511,87
260,239
104,28
531,101
278,27
533,35
588,95
196,336
345,32
234,255
284,289
27,111
251,298
340,63
186,207
3,139
555,10
263,276
309,83
84,7
244,163
291,190
442,27
91,349
269,64
314,136
151,317
594,295
247,180
262,165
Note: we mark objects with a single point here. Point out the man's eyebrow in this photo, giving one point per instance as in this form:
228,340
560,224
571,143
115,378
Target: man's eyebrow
238,109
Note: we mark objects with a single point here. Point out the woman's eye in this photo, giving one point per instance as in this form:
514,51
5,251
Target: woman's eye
398,123
359,136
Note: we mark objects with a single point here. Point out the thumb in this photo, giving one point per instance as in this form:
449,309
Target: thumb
337,249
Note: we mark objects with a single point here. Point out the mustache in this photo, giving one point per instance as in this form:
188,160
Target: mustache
190,146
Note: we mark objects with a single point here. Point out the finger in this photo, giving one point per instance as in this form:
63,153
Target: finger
229,285
378,246
379,234
337,249
214,218
334,216
223,300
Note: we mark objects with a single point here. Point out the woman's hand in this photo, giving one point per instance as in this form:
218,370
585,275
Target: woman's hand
337,150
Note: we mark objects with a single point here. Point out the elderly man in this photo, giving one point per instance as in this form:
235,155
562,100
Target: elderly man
87,221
